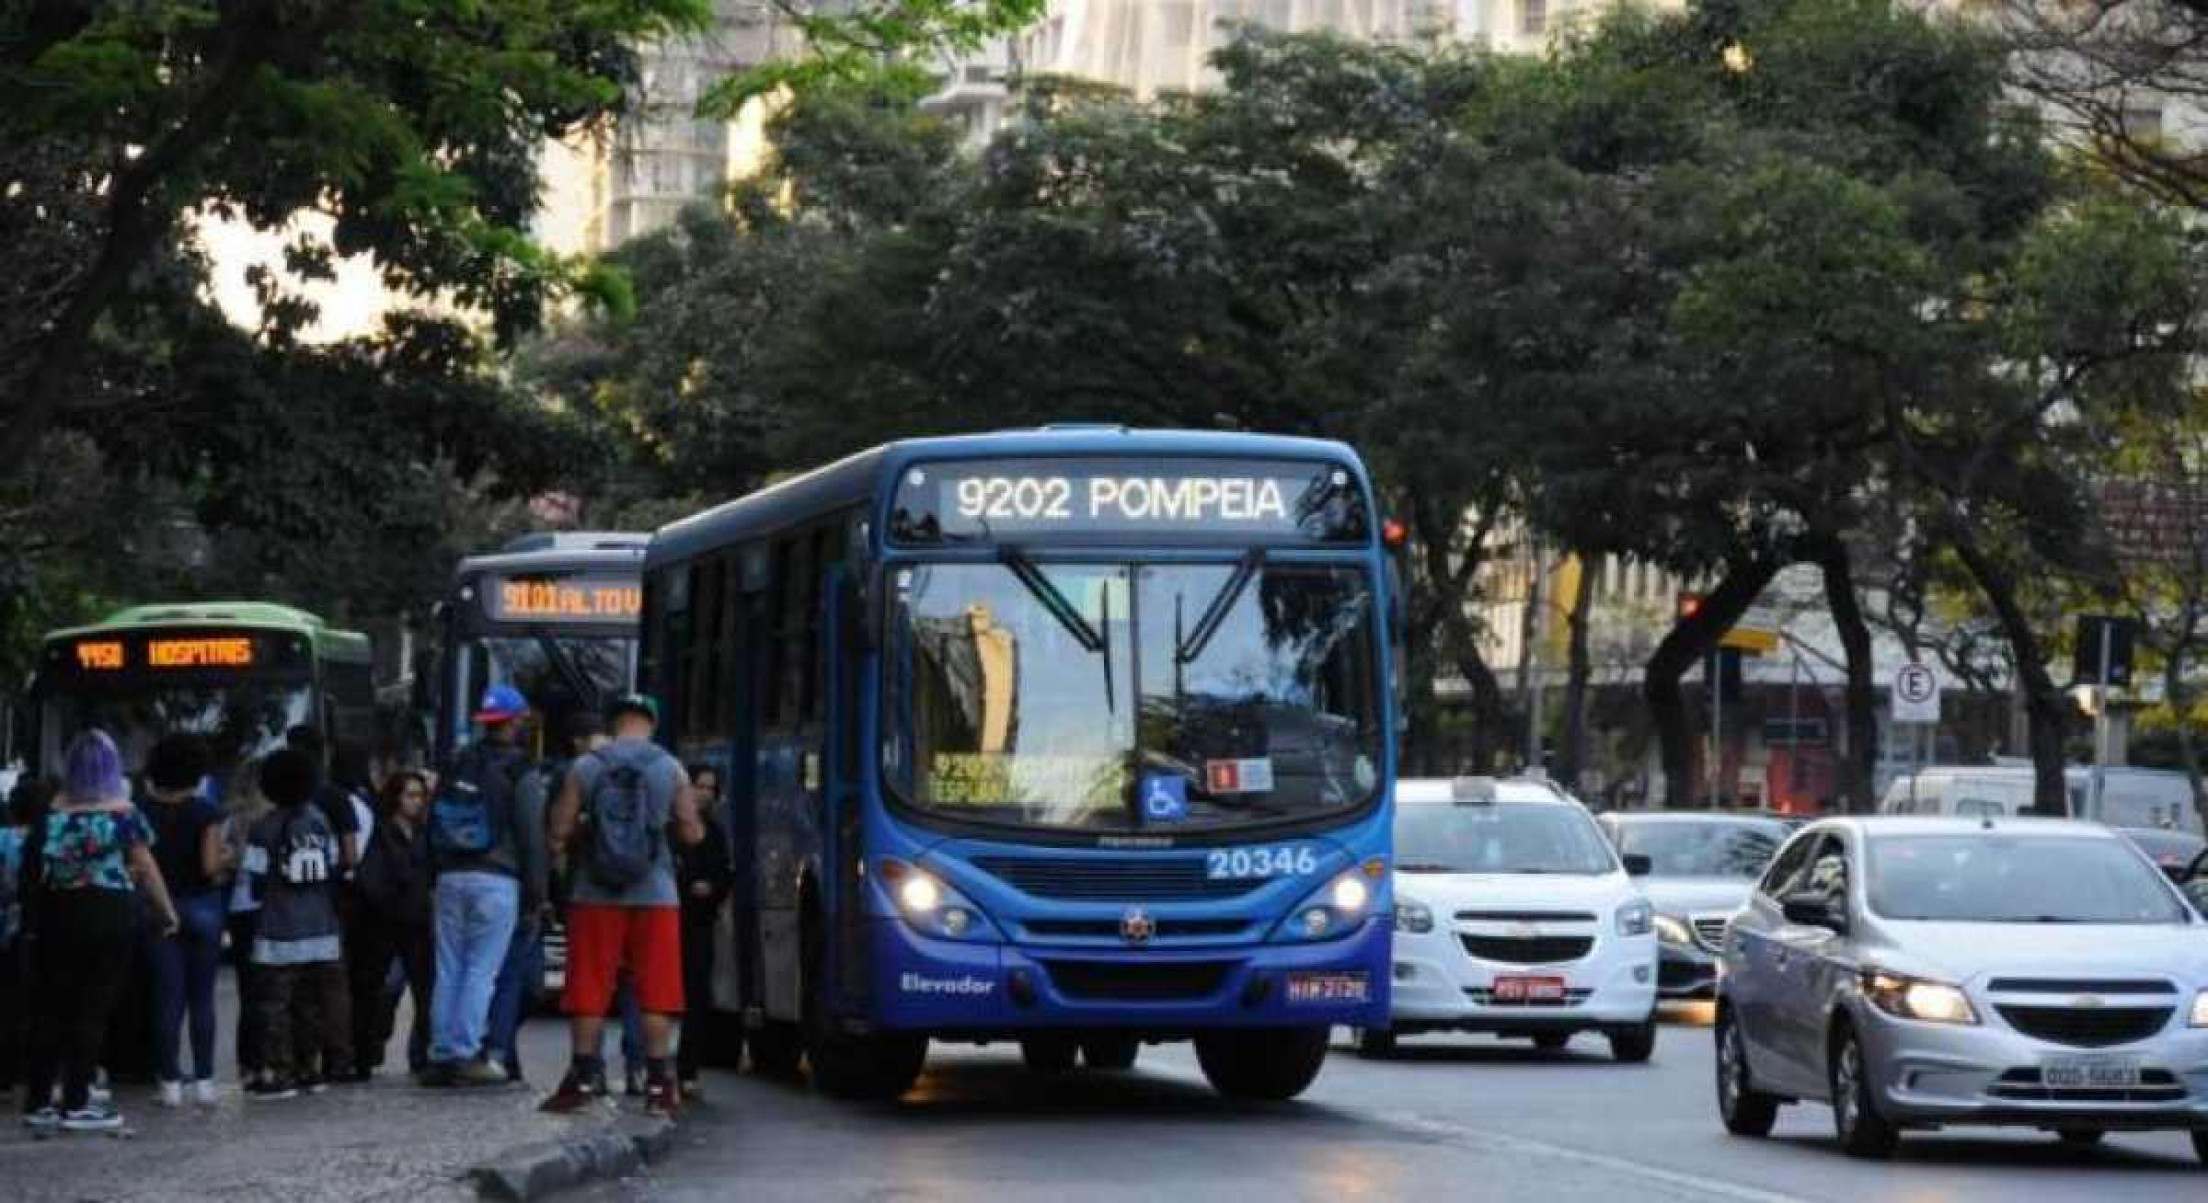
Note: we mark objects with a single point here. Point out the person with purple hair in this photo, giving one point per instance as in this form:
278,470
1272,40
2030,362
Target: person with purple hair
87,861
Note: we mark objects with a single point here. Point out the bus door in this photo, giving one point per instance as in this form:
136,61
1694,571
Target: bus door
748,638
842,835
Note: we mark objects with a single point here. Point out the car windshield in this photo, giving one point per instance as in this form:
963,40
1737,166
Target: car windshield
1502,837
1123,697
241,719
2016,879
1702,847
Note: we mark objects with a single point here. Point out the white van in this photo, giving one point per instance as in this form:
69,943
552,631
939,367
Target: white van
2119,797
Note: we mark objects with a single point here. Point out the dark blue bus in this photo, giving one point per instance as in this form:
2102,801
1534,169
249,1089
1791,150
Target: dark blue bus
1080,738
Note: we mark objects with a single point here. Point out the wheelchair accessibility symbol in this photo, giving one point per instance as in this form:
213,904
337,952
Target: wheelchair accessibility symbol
1165,798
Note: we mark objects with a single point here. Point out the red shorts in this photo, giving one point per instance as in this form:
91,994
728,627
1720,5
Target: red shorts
602,941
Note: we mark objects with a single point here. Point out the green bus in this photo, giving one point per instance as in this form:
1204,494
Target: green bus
239,673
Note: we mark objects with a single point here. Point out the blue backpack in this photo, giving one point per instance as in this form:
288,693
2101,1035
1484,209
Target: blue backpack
472,803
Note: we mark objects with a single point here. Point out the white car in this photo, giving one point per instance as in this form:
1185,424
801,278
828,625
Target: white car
1515,916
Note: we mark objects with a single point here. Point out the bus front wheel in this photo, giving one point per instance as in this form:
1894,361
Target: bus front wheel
1262,1063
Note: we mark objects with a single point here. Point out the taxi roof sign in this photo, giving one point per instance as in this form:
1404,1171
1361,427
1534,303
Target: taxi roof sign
1472,791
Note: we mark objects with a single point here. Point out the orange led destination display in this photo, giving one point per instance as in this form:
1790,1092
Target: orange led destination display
105,655
234,652
572,599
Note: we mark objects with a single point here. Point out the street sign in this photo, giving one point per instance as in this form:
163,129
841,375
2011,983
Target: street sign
1916,691
2103,652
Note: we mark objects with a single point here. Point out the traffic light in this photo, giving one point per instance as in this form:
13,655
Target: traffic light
1688,605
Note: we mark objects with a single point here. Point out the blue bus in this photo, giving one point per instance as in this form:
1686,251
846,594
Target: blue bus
1078,737
552,614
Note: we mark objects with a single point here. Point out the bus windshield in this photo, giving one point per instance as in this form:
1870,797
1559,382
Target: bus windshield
557,673
242,719
1119,697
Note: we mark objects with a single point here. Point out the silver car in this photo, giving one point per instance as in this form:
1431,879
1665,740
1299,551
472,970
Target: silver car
1916,973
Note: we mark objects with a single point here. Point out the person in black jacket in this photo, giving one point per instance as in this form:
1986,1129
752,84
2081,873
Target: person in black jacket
705,877
393,924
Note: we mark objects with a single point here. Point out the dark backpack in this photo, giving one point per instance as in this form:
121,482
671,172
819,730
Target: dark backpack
623,844
473,802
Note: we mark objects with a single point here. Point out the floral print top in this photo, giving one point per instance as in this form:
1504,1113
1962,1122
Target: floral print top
87,849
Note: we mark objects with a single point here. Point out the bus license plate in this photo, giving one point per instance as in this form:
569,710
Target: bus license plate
1328,987
1528,990
2089,1073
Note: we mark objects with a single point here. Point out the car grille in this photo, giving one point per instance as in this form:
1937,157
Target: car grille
1709,931
2027,1085
2086,1027
1527,950
1152,981
1527,916
1486,998
1118,878
1166,929
2079,985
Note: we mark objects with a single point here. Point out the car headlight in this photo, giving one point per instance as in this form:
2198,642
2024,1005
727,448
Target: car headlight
1413,916
1338,907
931,905
1671,931
1635,918
1915,998
2200,1010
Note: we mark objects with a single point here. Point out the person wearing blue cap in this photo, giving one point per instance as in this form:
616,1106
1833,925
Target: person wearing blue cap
480,852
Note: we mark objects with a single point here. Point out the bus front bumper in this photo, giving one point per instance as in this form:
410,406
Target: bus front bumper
947,986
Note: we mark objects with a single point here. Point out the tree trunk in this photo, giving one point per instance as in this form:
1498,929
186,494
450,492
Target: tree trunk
1421,751
1687,642
1572,748
2044,705
1490,714
1859,769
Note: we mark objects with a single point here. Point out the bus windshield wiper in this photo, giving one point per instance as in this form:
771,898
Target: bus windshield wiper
586,692
1215,614
1076,624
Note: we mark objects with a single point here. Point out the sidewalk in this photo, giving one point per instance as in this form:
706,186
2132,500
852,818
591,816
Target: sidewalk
386,1140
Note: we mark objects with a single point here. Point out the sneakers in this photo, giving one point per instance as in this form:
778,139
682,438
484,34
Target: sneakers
92,1117
579,1088
437,1075
44,1119
480,1072
692,1088
661,1098
171,1094
271,1088
633,1084
204,1092
314,1084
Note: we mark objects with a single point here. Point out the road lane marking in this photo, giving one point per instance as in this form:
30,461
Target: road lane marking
1693,1184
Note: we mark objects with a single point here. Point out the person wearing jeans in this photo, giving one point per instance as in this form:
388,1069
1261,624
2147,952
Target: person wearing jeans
189,848
476,845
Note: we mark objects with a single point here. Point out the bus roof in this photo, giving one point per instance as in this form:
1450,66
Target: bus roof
329,642
553,550
859,476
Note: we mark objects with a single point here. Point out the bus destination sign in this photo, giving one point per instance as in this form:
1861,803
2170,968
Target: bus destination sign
993,499
574,597
163,653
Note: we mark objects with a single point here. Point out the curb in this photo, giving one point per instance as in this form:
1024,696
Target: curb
530,1172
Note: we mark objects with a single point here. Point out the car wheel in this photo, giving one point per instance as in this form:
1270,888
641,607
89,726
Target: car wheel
1549,1042
1863,1132
1270,1064
1050,1055
1375,1043
1745,1110
1634,1045
1110,1052
2080,1138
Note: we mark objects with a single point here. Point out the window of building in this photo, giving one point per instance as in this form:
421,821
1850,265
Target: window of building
1533,17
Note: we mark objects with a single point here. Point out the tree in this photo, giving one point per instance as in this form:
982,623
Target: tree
414,126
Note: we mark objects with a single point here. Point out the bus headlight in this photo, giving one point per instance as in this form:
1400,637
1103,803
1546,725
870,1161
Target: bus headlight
930,905
1337,908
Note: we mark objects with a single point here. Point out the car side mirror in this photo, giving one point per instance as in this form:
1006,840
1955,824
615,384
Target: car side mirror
1638,864
2197,891
1815,910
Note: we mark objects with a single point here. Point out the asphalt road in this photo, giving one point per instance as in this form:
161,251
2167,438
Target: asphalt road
1451,1118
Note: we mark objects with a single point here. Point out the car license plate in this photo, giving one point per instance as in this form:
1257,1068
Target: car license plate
1328,987
2089,1073
1528,990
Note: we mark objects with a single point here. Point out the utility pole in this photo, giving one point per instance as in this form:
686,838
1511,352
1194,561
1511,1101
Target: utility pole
1536,629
